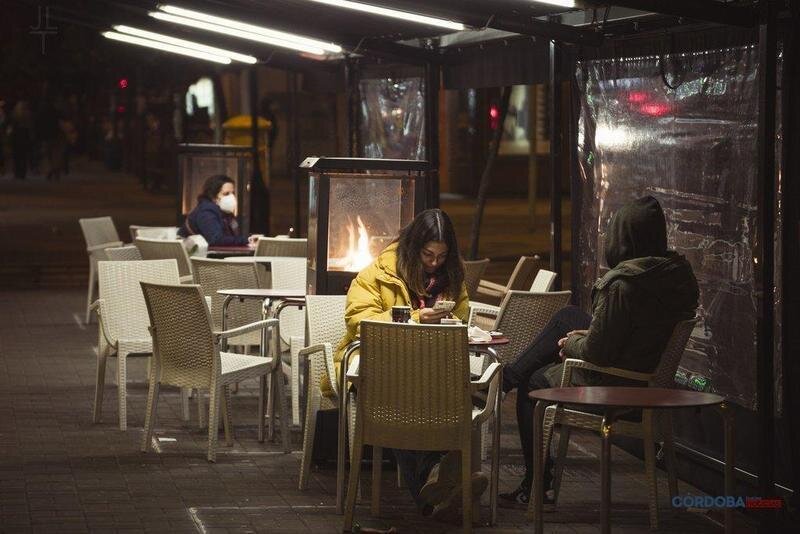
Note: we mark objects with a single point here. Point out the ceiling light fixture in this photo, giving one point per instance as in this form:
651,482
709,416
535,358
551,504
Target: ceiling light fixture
250,29
186,44
560,3
164,47
394,13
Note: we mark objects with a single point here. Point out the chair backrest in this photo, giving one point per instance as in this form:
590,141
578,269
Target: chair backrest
664,375
157,232
183,342
282,246
522,276
523,315
213,275
290,273
161,249
98,230
325,317
544,281
124,311
413,390
473,272
128,253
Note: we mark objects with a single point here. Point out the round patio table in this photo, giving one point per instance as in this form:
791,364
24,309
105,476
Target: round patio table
235,250
614,400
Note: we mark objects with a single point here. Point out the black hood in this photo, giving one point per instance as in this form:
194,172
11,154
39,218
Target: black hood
637,230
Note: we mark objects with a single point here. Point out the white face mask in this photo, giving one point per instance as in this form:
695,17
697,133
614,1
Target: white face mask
227,203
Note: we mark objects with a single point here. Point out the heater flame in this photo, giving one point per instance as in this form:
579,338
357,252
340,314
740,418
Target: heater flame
358,255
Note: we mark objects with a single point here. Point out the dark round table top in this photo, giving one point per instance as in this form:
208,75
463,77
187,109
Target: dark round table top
234,250
494,341
264,293
627,397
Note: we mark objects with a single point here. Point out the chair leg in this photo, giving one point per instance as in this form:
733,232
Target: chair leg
262,398
201,409
214,394
122,383
669,450
185,393
150,413
295,380
561,458
90,291
377,471
100,384
650,466
227,421
400,482
312,408
466,487
279,398
352,484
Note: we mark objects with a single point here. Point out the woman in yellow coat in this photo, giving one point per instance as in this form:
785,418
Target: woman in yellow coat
420,268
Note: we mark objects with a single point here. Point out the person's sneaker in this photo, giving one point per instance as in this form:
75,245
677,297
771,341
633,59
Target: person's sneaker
448,509
444,476
520,497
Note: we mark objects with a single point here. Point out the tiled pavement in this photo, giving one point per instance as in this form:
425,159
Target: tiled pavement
61,473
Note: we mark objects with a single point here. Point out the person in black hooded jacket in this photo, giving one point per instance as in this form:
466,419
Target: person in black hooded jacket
635,307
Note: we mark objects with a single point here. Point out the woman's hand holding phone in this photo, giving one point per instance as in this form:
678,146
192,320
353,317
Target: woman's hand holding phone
431,316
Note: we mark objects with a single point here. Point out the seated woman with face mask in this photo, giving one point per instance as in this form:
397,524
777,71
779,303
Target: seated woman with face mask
213,217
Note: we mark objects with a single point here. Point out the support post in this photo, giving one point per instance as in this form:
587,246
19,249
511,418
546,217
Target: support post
259,194
432,82
294,152
554,103
765,261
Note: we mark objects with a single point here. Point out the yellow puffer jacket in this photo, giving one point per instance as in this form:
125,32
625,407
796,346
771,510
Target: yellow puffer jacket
371,296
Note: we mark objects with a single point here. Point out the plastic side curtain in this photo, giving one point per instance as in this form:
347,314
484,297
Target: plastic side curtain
682,128
392,121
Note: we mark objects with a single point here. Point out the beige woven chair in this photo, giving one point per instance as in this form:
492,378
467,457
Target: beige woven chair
473,270
127,253
414,393
326,327
544,281
186,354
99,234
282,246
521,278
123,321
163,249
153,232
655,426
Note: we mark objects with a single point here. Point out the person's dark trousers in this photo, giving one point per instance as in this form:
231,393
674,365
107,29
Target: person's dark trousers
527,373
415,466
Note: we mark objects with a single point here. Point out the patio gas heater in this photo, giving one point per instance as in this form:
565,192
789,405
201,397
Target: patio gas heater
356,207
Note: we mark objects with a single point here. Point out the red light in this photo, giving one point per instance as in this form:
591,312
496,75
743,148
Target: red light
655,109
637,97
120,109
123,83
494,112
494,117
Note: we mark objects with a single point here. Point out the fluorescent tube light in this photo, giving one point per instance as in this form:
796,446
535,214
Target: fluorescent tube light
561,3
186,44
394,13
164,47
250,28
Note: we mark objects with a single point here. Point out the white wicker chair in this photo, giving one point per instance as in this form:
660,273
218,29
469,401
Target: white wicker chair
655,426
473,270
326,327
126,253
186,354
123,321
543,282
414,393
282,247
99,234
521,278
163,249
154,232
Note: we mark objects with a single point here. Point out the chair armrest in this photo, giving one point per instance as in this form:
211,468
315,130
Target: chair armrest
319,347
488,375
344,364
484,309
258,325
490,380
103,246
574,363
97,307
491,286
187,279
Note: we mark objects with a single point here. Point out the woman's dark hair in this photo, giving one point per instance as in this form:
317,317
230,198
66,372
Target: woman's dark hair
212,186
430,225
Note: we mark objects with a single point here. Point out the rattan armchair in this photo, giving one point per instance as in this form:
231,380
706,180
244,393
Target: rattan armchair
654,427
282,247
162,249
414,393
123,322
186,354
99,234
126,253
543,281
473,270
520,279
326,327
